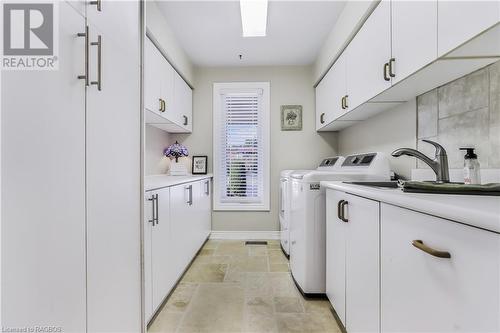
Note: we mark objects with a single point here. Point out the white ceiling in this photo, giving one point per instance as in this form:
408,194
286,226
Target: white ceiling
210,31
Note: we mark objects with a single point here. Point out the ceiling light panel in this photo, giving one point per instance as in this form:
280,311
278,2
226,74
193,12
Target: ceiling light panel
253,17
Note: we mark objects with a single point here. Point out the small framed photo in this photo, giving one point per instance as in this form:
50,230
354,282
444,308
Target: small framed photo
199,165
291,117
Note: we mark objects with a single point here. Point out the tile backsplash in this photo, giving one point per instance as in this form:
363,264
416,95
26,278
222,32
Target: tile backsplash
463,113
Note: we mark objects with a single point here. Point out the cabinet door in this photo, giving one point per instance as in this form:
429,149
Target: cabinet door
149,213
162,250
362,264
424,293
459,21
366,55
205,209
414,36
336,234
180,221
329,94
152,83
43,188
167,73
113,172
183,101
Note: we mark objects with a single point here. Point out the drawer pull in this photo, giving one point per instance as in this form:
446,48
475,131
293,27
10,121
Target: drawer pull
342,211
421,246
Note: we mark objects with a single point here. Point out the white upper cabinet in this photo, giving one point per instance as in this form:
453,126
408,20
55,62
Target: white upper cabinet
367,56
459,21
330,94
414,38
437,275
167,97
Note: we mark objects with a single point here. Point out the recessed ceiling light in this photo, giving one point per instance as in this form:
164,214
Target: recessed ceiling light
253,17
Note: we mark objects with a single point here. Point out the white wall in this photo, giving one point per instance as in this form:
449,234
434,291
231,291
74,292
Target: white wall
385,132
350,20
159,28
289,150
156,141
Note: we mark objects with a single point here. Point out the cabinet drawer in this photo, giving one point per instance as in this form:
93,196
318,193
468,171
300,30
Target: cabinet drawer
421,292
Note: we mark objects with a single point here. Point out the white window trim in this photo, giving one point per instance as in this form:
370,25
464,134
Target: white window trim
218,89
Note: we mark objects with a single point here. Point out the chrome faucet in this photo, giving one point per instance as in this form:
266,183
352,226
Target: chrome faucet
439,164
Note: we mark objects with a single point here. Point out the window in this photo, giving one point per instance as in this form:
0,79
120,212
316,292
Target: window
241,146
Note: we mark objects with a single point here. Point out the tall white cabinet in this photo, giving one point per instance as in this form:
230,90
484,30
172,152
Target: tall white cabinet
71,178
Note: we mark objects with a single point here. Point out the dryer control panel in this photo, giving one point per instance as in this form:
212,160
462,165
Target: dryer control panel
330,161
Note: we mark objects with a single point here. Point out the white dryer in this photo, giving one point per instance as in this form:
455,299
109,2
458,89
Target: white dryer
307,215
285,197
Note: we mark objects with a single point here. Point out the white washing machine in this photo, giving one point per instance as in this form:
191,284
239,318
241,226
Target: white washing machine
285,197
307,215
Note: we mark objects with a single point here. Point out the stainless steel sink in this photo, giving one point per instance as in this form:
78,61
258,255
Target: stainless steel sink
388,184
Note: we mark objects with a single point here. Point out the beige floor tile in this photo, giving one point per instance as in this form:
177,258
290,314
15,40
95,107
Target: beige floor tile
289,323
180,298
205,273
288,305
259,315
215,308
166,322
278,259
231,248
320,306
257,250
249,264
257,284
211,244
279,267
283,285
206,252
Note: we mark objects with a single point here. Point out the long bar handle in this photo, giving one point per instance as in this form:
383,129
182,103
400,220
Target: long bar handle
153,211
207,188
98,4
99,62
339,211
190,198
421,246
185,120
157,219
86,35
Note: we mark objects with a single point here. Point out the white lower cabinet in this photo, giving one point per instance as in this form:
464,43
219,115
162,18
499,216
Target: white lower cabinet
176,224
353,260
421,292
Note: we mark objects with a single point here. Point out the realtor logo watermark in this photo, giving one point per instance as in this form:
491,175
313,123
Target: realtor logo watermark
30,36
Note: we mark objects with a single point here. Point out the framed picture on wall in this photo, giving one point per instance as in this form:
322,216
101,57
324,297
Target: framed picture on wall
291,117
200,165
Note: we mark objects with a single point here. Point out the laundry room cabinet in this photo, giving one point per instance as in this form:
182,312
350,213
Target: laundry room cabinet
402,50
167,97
352,262
71,165
450,283
392,269
177,222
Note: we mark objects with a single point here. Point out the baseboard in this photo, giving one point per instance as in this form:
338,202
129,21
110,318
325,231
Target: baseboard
245,235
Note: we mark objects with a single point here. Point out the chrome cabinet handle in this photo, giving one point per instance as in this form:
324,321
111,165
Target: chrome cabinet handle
98,4
342,104
386,70
322,118
421,246
160,108
391,67
86,35
207,188
185,120
99,62
190,189
345,101
152,199
342,208
157,219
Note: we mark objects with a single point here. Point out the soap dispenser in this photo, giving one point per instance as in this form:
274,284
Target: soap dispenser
472,174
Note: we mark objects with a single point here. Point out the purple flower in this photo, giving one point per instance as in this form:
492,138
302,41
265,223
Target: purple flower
176,150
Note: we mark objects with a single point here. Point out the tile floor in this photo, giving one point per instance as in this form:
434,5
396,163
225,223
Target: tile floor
233,287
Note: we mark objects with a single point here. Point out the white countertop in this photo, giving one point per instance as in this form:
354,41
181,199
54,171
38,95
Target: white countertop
474,210
155,182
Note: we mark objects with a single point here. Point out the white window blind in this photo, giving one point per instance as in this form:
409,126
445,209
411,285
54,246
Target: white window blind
242,144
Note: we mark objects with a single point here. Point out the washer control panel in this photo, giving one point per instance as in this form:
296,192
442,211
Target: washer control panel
330,161
359,160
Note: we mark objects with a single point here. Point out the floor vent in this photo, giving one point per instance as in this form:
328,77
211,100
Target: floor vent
255,243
